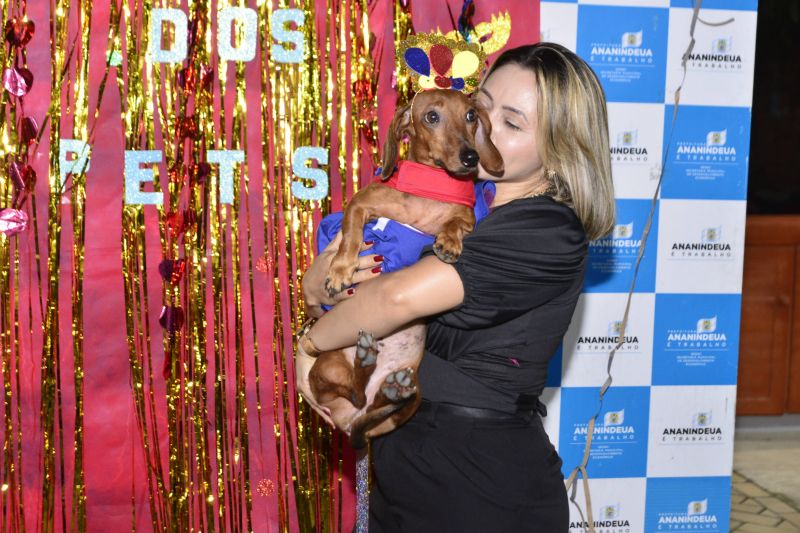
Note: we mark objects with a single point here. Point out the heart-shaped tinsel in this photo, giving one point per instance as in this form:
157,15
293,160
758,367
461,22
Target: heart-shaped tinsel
206,77
186,79
29,130
177,222
186,127
17,81
199,173
171,318
18,32
13,221
22,176
172,270
176,174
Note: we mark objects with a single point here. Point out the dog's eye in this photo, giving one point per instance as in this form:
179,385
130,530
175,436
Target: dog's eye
472,116
432,117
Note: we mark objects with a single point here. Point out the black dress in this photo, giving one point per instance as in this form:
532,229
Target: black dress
522,269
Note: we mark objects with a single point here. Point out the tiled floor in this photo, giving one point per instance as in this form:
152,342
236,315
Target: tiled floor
757,510
766,481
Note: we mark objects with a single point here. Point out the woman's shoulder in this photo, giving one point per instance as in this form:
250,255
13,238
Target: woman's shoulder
540,214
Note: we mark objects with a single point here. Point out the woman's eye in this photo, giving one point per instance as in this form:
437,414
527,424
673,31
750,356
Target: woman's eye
512,125
472,116
431,117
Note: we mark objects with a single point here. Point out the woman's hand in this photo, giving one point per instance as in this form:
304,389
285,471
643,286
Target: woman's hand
302,366
314,293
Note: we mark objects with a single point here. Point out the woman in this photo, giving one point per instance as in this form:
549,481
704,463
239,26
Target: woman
475,457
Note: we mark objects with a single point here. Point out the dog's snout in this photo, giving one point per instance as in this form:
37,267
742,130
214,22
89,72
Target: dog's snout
469,158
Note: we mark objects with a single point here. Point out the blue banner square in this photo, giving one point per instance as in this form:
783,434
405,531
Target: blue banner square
627,48
709,153
619,445
741,5
688,504
696,339
613,258
554,368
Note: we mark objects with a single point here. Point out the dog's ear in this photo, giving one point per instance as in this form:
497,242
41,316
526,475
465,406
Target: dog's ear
400,127
491,160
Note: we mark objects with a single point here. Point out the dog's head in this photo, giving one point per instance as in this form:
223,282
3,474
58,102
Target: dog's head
447,129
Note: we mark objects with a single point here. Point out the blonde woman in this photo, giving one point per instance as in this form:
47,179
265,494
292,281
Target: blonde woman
475,457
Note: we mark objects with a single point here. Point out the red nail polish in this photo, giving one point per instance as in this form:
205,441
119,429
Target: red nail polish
351,292
378,258
376,270
369,243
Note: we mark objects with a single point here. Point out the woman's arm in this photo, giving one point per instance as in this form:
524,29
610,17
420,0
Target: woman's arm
383,304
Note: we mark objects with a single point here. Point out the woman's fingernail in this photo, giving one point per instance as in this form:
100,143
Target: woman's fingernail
351,292
369,243
376,270
378,258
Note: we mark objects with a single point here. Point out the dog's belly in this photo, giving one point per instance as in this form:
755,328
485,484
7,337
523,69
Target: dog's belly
401,350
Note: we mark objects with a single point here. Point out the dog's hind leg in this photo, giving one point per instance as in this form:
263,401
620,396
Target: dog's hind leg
332,376
396,392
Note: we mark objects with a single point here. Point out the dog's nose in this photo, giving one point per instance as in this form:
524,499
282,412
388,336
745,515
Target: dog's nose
469,158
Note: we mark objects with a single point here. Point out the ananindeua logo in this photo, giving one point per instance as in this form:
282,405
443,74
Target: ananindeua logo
613,428
717,55
710,245
629,50
701,429
714,149
602,343
620,242
705,336
696,517
608,519
626,149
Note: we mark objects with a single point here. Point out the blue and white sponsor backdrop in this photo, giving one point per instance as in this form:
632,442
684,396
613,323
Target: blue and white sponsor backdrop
662,453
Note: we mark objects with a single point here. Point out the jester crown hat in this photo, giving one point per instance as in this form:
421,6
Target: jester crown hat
436,62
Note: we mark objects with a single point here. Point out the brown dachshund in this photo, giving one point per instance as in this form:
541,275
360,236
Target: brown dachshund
368,394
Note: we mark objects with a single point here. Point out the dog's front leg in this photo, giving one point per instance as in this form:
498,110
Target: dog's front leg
361,208
449,243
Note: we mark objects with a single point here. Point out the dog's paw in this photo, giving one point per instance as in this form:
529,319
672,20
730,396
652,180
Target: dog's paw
400,385
447,248
366,350
337,281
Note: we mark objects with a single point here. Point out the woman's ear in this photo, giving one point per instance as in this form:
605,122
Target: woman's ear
491,160
400,127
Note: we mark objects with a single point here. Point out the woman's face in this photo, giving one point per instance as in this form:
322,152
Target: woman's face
510,97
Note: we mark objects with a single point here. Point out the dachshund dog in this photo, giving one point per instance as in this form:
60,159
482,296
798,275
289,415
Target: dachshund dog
371,388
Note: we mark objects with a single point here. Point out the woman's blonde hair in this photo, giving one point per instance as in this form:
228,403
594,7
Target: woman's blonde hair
573,131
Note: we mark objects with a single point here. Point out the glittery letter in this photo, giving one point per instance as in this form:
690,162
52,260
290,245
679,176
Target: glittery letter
320,189
281,54
248,19
135,176
76,166
226,159
179,43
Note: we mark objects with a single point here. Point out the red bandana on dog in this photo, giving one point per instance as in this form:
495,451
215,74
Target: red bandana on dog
431,182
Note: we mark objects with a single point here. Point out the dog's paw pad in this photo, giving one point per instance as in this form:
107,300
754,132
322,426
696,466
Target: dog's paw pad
400,385
445,254
366,349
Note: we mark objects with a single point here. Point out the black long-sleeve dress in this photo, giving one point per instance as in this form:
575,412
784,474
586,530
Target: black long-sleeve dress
522,270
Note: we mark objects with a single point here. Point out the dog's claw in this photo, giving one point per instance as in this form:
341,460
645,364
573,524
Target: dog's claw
400,385
366,349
